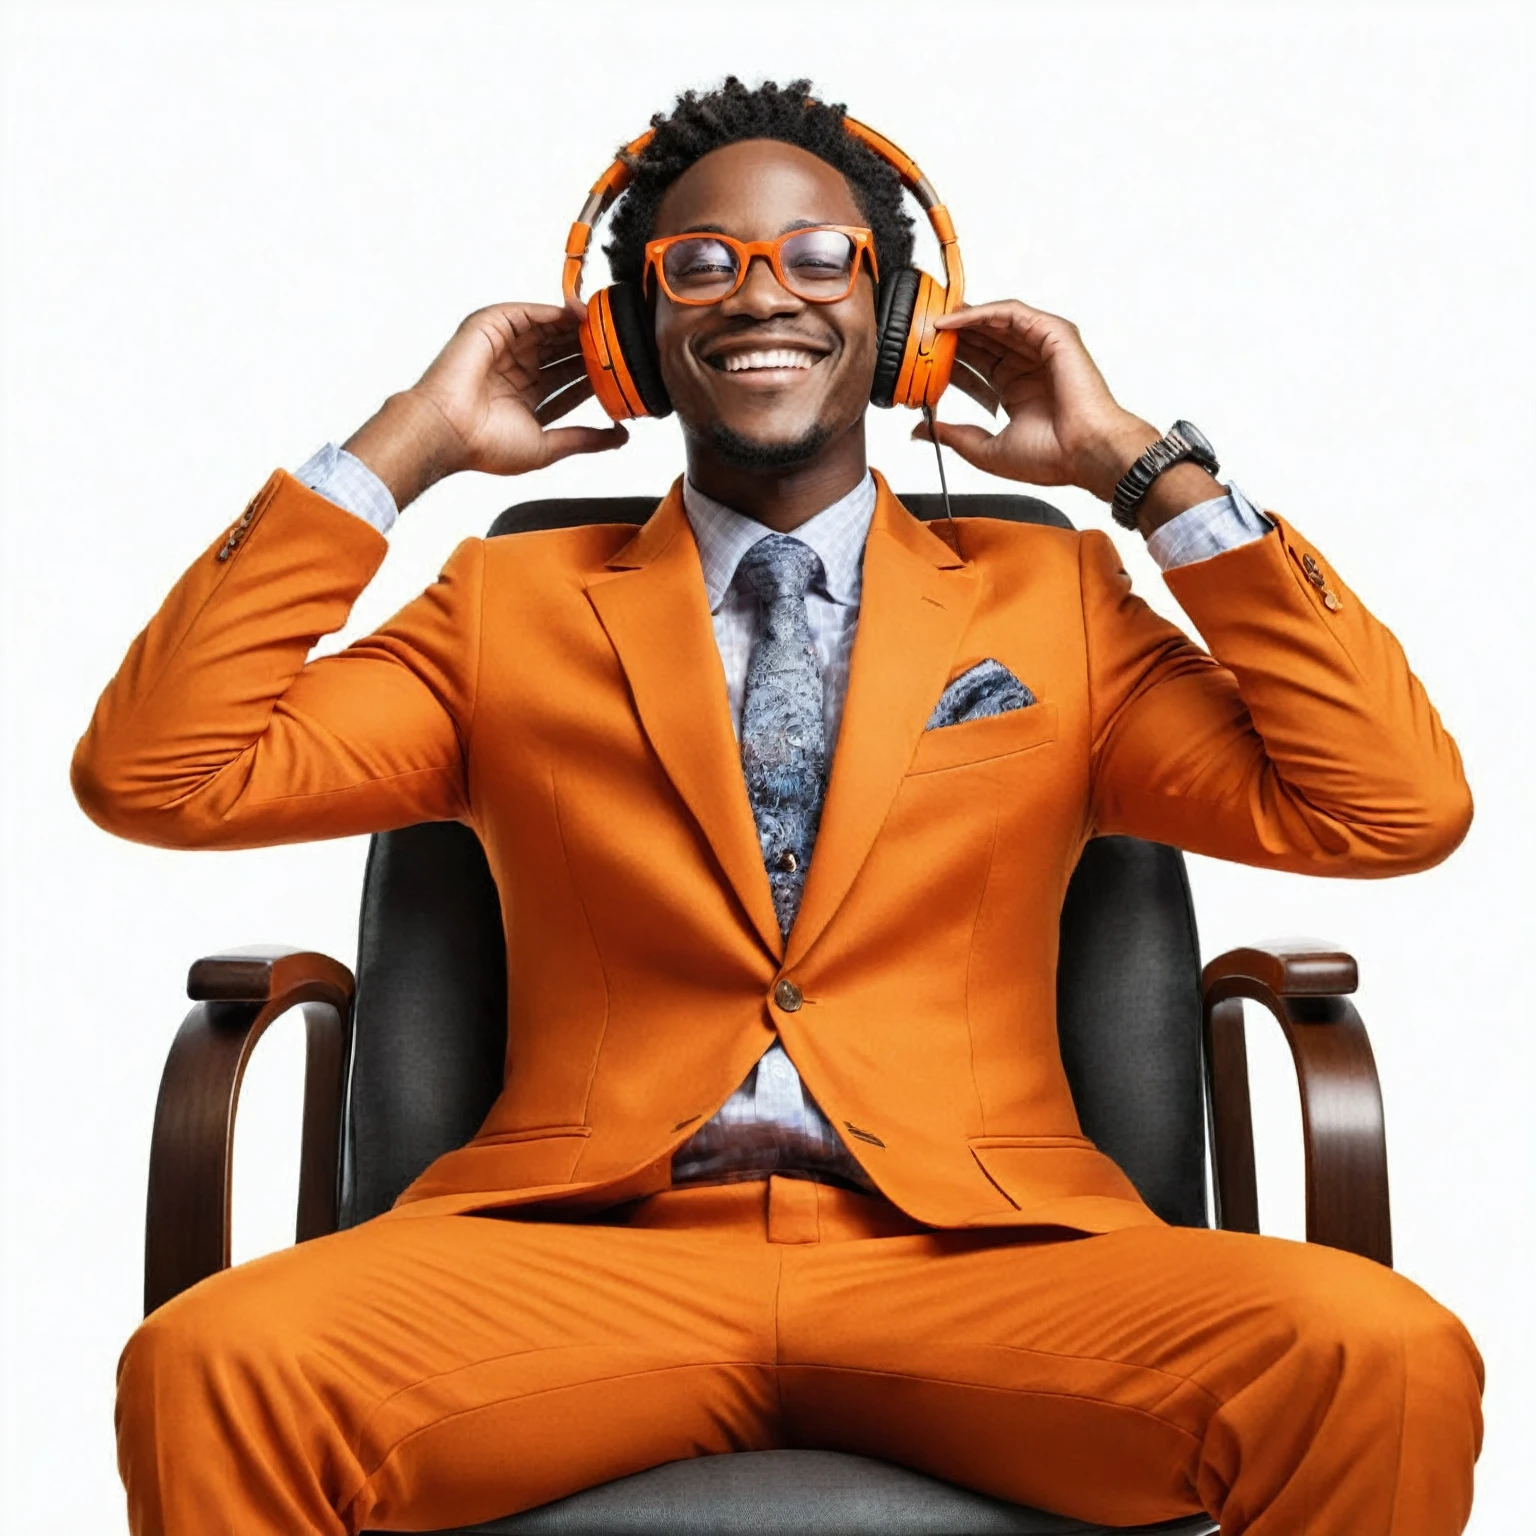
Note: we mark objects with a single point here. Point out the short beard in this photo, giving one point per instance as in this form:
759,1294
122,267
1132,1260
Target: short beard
747,453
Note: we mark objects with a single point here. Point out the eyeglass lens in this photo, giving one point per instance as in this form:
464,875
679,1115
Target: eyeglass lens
817,264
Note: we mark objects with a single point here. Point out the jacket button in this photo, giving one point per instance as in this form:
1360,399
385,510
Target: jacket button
786,994
1315,575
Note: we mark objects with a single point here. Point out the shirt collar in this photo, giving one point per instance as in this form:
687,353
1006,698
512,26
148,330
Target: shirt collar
836,533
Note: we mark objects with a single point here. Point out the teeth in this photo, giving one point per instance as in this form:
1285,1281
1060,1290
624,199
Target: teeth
776,357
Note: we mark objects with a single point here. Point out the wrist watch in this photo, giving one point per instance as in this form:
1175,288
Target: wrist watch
1183,441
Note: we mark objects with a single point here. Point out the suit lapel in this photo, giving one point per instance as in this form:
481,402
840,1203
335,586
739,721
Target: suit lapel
917,599
652,603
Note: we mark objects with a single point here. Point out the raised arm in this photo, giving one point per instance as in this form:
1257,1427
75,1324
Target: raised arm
1306,743
217,731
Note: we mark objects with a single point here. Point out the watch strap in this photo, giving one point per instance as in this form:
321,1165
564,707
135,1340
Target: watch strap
1172,448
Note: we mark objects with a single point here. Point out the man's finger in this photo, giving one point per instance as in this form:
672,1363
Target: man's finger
562,442
562,402
557,375
522,316
995,312
555,347
979,352
969,382
1014,326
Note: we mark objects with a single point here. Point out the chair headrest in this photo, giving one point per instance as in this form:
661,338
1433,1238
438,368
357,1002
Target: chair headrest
578,511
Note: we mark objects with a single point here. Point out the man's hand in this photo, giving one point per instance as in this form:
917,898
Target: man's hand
1064,427
486,403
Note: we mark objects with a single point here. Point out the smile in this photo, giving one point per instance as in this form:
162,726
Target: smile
765,358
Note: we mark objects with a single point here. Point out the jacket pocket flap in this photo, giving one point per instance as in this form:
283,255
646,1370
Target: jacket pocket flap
1033,1170
978,741
536,1157
529,1133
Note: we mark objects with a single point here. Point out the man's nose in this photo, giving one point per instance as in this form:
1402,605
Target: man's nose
761,294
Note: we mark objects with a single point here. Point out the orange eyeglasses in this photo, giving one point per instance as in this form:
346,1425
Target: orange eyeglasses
820,264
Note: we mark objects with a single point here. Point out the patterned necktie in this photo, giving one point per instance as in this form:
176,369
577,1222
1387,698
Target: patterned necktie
783,737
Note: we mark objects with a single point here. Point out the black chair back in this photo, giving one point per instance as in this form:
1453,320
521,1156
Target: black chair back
430,1027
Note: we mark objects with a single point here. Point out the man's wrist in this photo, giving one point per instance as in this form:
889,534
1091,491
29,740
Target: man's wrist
343,478
1175,490
409,444
1102,462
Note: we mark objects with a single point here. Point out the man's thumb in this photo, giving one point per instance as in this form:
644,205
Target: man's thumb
562,442
972,443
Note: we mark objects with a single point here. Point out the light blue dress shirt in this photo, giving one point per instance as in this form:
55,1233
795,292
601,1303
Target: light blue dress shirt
771,1124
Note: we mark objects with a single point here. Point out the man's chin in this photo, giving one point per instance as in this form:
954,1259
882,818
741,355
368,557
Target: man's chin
767,455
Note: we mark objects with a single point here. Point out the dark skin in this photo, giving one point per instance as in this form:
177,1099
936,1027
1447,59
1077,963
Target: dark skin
491,398
756,190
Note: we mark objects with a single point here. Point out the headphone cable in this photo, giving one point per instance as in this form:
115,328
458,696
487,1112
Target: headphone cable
938,453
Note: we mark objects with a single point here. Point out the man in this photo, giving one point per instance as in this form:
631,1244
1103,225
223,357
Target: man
781,900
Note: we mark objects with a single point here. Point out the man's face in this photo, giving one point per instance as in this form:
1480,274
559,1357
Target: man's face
765,417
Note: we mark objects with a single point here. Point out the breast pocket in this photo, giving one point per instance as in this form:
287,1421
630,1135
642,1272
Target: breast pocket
979,741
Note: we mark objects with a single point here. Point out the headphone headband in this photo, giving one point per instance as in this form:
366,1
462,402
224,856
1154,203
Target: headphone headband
618,176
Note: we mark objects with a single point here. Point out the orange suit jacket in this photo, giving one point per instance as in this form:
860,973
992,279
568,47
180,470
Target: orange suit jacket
561,692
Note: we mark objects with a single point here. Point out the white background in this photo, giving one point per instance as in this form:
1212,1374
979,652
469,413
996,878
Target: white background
230,231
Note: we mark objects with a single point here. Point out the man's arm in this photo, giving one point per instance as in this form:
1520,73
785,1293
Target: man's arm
218,732
1303,741
1306,744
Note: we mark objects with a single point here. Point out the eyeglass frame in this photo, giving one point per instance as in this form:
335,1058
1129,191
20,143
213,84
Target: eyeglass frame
747,251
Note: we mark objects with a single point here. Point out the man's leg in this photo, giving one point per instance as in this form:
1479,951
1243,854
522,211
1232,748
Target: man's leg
415,1373
1284,1387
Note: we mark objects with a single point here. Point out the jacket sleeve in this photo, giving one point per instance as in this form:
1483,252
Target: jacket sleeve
217,733
1301,742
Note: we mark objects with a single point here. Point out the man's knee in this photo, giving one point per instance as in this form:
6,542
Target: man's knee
1353,1320
221,1330
1441,1371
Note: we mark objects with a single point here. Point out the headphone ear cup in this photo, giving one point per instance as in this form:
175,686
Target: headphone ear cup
634,330
930,355
620,353
893,325
606,372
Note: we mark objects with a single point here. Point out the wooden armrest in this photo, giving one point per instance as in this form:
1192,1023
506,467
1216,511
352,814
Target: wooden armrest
237,994
1289,968
257,973
1302,983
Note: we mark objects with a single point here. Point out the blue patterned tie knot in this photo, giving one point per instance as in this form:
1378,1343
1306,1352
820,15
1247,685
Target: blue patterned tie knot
779,567
783,736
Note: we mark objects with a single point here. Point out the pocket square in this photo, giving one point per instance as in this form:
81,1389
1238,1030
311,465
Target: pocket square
988,688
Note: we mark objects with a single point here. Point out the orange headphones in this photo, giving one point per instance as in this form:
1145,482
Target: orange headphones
912,358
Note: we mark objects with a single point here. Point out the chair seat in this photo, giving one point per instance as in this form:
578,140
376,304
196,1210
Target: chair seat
792,1493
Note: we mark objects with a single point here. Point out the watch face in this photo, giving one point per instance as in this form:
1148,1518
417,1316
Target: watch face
1195,438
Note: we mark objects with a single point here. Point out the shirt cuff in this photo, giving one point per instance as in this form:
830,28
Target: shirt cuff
342,477
1208,528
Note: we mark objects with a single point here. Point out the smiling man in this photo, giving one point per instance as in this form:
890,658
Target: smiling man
787,1155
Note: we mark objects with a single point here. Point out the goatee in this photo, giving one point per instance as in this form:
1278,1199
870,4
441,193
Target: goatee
747,453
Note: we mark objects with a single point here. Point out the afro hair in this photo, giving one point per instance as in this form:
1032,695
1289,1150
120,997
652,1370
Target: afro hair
701,123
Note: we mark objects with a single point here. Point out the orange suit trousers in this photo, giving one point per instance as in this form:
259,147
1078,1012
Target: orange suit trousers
421,1372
